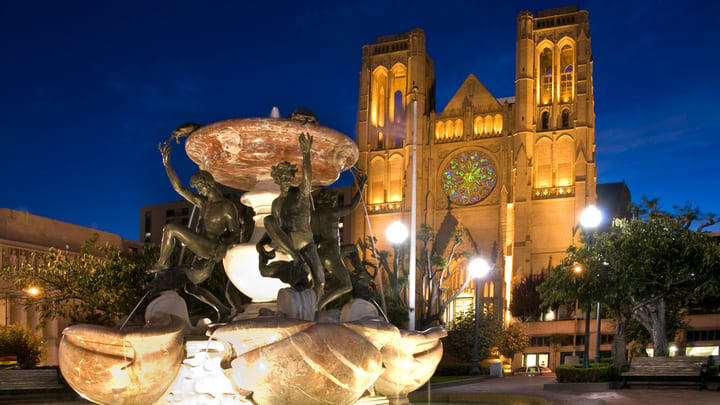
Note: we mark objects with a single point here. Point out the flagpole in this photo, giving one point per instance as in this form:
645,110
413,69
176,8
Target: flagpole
413,218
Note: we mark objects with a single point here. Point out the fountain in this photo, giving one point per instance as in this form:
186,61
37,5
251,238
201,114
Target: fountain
283,348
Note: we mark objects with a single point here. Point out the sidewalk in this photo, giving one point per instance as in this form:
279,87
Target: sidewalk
533,386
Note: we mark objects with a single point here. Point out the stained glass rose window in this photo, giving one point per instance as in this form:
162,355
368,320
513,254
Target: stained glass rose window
469,177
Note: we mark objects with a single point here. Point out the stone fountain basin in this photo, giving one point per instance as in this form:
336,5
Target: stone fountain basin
129,367
240,152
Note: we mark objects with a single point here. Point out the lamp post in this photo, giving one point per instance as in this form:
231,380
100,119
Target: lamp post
397,233
590,218
478,268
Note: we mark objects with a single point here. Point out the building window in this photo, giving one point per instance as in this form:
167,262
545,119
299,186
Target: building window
379,95
566,75
539,341
546,70
545,120
606,339
566,118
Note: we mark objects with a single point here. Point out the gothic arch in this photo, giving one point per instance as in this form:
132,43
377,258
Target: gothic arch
378,96
543,162
564,156
398,83
377,176
395,177
439,130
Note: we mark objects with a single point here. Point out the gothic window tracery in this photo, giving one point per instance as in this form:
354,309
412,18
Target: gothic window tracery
546,70
469,177
566,75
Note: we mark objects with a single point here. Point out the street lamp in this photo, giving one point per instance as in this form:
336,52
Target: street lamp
590,218
477,268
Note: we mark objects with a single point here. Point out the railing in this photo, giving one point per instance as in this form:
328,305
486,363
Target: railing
553,192
383,208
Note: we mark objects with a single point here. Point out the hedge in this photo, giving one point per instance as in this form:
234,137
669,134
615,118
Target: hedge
598,372
453,369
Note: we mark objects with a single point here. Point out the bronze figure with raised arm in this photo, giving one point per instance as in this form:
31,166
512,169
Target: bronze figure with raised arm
288,227
326,228
221,225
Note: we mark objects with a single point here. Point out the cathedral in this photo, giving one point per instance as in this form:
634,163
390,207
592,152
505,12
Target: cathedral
514,171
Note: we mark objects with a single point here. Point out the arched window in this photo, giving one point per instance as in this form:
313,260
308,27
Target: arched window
488,125
565,148
377,180
565,118
566,74
396,176
448,129
546,72
458,128
478,125
439,130
545,120
380,140
498,124
543,163
485,290
492,289
378,96
398,82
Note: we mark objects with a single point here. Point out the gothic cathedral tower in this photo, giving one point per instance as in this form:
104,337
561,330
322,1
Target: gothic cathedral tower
514,172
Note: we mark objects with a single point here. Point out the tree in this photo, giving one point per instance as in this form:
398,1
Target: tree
526,301
512,340
99,284
459,341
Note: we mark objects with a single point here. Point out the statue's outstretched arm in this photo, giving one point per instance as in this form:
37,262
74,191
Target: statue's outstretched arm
305,141
186,193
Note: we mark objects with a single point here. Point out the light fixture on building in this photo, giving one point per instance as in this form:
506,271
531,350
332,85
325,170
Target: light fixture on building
33,291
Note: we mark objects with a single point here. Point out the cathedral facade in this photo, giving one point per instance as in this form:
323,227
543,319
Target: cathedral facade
514,171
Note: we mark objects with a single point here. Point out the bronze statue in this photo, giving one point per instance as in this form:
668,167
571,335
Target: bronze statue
221,228
326,229
288,226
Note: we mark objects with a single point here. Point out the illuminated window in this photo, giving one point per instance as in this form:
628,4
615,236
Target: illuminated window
377,183
439,130
478,125
565,158
566,77
458,129
396,177
547,77
498,124
378,96
485,290
488,125
543,163
468,177
449,129
380,140
398,82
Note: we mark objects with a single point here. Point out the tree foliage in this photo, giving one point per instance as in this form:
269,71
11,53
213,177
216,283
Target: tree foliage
641,269
511,340
99,284
459,341
526,302
20,341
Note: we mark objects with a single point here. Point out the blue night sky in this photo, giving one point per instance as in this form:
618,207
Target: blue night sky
89,89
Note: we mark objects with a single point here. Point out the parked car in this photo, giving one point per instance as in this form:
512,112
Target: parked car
533,371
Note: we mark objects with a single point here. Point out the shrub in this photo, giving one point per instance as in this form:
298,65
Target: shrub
459,341
18,340
598,372
453,369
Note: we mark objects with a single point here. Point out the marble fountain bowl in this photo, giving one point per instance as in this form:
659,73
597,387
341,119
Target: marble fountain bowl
129,367
266,360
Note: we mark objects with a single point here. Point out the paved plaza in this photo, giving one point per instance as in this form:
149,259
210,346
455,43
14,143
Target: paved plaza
533,386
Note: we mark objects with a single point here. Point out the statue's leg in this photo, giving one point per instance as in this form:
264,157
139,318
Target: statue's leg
198,244
208,298
340,281
351,251
278,236
310,255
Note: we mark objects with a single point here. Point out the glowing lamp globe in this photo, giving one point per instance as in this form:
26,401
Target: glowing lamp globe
478,268
396,233
590,217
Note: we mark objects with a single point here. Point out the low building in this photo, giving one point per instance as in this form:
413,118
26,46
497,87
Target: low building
22,234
